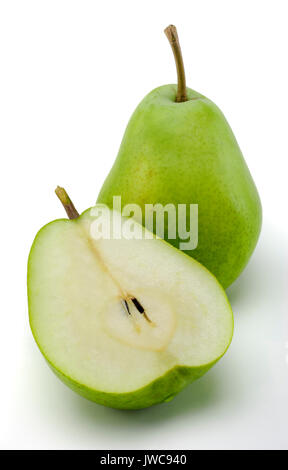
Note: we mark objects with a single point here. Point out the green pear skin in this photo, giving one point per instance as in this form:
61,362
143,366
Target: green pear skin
186,153
161,390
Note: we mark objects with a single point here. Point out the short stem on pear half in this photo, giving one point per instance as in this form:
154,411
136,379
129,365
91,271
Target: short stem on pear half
67,203
171,33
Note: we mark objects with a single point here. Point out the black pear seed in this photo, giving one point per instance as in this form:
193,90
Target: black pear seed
138,305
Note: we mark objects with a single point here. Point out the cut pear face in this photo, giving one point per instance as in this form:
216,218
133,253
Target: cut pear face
125,322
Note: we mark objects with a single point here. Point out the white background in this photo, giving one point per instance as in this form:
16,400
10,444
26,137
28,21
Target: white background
72,73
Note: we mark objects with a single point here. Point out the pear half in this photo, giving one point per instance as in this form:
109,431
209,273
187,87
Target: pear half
126,323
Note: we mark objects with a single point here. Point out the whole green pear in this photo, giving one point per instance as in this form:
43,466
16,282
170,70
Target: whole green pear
178,148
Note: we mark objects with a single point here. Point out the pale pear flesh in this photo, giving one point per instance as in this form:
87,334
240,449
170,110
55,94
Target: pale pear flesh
119,320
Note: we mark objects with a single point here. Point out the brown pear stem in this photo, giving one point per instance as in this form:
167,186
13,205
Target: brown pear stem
67,203
171,33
